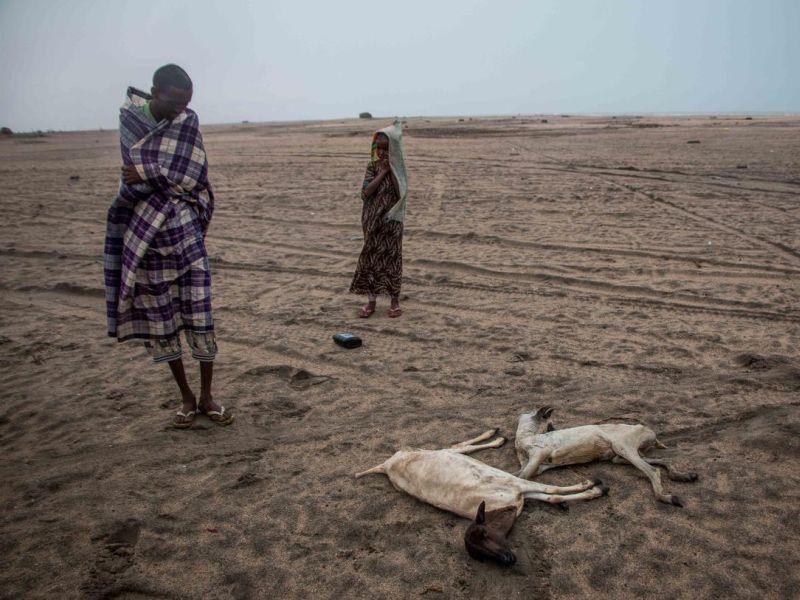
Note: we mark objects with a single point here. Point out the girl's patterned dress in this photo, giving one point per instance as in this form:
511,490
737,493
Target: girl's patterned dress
380,266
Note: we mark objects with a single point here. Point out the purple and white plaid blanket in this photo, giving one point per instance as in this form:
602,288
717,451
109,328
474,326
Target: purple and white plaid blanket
157,276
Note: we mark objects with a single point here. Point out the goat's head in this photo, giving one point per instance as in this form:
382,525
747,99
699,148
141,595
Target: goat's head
541,419
485,542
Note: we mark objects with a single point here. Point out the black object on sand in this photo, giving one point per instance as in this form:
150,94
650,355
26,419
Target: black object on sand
347,340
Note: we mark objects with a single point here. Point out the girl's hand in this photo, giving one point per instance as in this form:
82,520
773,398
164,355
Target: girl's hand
383,167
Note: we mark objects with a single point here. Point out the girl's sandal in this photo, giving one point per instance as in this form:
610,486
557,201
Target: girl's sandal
395,312
366,311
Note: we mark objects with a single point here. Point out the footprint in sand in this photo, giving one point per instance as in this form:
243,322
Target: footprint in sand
108,575
297,378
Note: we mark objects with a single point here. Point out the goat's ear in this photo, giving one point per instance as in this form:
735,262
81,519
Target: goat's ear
480,517
544,412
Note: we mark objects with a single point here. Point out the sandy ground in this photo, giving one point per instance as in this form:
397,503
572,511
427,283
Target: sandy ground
603,266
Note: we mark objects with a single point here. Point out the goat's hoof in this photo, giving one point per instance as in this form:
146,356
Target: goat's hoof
507,559
604,489
563,506
597,482
692,476
675,501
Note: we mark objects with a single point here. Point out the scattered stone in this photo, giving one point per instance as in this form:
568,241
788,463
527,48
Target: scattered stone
543,121
748,118
364,115
693,142
741,166
124,533
515,371
757,362
296,378
433,589
247,478
74,177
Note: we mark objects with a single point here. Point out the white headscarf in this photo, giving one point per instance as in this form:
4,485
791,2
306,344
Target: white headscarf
397,162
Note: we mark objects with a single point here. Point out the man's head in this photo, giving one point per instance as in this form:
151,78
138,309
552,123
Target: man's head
172,92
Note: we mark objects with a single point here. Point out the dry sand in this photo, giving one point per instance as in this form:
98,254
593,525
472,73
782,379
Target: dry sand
602,266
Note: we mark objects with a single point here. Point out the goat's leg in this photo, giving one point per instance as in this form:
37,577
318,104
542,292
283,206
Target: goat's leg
534,487
468,449
631,454
590,494
531,468
673,473
481,438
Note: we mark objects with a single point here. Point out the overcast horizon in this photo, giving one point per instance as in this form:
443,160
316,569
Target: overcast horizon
67,65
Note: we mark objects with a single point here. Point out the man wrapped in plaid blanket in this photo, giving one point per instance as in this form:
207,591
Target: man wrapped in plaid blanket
157,276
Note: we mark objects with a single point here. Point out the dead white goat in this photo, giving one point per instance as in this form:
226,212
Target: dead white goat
457,483
541,447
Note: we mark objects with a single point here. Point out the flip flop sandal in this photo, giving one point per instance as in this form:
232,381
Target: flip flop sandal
183,420
220,417
366,312
395,312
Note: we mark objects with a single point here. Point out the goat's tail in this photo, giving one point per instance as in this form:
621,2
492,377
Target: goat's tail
379,469
658,444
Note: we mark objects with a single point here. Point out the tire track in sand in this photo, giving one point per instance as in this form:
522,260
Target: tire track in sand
772,246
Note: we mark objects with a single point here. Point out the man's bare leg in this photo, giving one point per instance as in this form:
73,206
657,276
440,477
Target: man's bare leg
206,375
189,401
212,410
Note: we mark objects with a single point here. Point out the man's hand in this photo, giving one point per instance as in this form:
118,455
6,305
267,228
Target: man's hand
130,175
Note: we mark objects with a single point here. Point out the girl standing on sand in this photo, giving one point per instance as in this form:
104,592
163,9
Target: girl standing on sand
380,266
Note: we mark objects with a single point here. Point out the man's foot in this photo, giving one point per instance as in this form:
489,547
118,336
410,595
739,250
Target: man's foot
367,310
183,420
185,416
215,412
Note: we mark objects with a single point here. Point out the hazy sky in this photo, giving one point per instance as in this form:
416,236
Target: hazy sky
66,64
